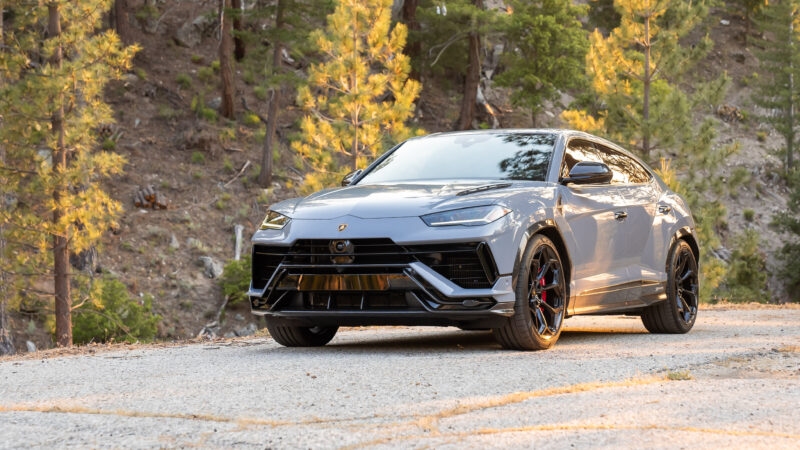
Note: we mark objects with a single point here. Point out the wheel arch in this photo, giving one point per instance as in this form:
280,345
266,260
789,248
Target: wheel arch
549,229
686,234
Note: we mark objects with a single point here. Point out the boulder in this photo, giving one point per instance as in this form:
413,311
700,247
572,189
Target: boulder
212,268
30,346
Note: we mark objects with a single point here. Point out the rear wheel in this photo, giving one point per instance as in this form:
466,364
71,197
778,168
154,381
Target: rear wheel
293,336
541,299
678,313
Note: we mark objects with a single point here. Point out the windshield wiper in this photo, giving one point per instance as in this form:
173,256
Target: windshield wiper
486,187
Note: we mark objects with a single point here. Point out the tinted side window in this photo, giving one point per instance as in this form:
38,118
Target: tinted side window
626,170
579,150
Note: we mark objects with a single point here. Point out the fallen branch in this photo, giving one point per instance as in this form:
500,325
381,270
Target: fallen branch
241,172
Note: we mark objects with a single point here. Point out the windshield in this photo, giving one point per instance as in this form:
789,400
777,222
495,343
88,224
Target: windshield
509,156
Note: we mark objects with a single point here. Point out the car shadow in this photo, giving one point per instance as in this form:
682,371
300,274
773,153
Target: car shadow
449,341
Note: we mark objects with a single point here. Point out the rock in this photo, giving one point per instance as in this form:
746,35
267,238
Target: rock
188,35
230,334
249,330
173,242
238,317
31,346
721,253
724,22
215,103
212,268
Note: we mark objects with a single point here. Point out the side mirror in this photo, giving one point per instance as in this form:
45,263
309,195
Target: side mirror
588,172
350,177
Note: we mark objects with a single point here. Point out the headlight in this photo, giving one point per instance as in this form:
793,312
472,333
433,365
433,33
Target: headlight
476,216
274,221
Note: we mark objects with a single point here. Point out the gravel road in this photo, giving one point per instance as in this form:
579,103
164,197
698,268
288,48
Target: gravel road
607,383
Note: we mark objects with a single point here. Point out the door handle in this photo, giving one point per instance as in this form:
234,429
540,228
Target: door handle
620,215
664,209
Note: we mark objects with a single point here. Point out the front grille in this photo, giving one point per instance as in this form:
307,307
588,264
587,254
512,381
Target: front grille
468,265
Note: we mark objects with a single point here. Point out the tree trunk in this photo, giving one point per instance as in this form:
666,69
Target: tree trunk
646,99
413,48
790,140
473,78
265,177
63,300
6,343
225,66
238,26
120,14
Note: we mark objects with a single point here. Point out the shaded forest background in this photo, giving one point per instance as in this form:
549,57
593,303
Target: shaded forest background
218,109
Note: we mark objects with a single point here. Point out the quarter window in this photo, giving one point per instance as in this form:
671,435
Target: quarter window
626,169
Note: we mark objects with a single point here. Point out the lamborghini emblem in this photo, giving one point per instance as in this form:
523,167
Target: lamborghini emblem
342,226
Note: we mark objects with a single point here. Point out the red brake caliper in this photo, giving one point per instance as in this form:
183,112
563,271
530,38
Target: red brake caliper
544,293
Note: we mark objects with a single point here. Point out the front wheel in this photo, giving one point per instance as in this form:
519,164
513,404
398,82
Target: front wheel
541,299
293,336
678,313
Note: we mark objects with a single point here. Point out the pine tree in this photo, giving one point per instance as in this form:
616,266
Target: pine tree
285,25
54,71
452,33
779,91
788,222
359,98
749,9
639,104
547,51
632,69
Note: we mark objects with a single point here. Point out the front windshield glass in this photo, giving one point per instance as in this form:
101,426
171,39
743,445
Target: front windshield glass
509,156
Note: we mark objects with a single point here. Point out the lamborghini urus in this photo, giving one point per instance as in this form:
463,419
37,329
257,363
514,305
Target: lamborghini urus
508,230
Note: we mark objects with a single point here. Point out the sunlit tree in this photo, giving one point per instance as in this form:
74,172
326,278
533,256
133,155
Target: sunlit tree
360,97
54,67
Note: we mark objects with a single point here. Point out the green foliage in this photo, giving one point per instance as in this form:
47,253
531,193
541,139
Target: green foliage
603,15
548,46
788,222
109,144
235,280
198,158
197,59
205,74
260,92
359,97
167,113
184,81
749,215
111,314
227,165
444,37
778,91
746,279
251,120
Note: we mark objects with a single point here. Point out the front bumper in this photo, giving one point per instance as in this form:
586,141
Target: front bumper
317,291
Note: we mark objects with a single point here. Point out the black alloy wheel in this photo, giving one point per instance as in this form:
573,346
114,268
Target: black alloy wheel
541,299
678,313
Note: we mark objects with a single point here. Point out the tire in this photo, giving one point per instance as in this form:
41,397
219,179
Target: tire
678,313
293,336
540,305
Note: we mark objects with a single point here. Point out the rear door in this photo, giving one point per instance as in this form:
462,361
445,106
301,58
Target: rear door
588,212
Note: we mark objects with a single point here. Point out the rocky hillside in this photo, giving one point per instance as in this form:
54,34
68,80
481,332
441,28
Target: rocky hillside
204,168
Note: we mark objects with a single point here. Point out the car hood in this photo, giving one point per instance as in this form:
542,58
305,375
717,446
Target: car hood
396,200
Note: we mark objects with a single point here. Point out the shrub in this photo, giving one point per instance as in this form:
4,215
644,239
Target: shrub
111,313
746,279
109,144
208,114
198,158
251,120
260,92
227,165
184,81
749,215
235,280
167,113
197,59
